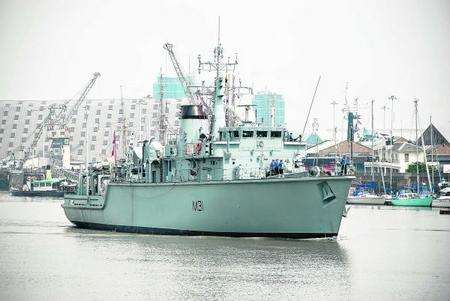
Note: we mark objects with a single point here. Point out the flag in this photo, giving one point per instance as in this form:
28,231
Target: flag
114,147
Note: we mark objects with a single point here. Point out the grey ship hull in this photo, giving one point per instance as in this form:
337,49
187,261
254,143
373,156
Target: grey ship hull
293,208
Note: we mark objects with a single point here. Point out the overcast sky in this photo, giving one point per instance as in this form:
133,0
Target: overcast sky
49,49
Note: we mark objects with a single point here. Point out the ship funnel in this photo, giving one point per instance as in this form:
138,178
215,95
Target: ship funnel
192,112
194,122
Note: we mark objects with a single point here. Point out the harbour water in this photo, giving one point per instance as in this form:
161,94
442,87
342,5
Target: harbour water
380,253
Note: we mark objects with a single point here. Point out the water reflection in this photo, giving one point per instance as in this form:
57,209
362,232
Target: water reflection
219,267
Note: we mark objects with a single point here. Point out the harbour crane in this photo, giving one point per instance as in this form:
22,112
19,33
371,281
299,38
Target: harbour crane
59,115
185,82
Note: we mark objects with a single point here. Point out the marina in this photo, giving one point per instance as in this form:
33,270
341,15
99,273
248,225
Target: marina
375,256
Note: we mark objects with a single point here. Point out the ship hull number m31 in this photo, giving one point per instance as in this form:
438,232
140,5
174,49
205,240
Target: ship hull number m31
197,206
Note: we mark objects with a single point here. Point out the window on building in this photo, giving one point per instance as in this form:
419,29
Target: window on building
98,112
97,120
131,115
106,134
105,142
2,131
83,134
95,129
17,109
29,113
16,117
74,120
154,115
14,126
5,113
108,124
133,107
27,121
13,135
11,144
71,129
79,152
40,117
94,138
109,115
41,108
1,139
110,107
24,139
25,130
84,125
103,151
4,121
144,111
406,157
121,111
92,147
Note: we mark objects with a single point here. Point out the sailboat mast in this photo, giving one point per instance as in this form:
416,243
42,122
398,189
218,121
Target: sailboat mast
373,151
392,98
417,145
432,150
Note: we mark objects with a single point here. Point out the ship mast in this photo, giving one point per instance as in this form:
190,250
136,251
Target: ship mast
221,113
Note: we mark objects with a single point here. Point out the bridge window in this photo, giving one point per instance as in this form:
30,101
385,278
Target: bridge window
275,134
247,134
223,136
261,134
234,135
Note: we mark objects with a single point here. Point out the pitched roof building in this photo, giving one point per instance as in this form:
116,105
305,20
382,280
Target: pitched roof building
432,136
343,147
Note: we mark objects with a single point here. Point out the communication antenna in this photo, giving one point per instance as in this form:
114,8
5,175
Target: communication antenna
218,32
310,106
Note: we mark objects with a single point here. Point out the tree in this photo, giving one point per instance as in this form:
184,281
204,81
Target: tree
412,167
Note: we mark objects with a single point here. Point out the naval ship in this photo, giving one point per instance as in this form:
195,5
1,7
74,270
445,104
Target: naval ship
213,177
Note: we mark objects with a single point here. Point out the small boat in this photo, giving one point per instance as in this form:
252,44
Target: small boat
443,201
366,199
411,199
53,187
363,194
